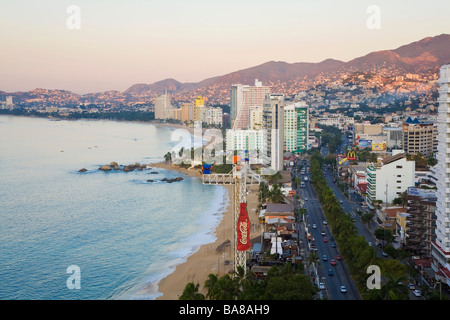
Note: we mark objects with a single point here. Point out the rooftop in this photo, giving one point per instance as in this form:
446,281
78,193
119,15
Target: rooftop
279,207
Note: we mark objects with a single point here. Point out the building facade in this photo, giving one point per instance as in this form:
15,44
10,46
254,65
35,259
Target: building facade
420,221
390,177
273,127
296,127
419,137
441,247
163,107
242,97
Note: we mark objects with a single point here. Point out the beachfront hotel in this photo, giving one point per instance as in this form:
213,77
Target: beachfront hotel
242,98
296,127
441,247
273,127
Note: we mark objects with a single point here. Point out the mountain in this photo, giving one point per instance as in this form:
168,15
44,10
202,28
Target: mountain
421,57
425,55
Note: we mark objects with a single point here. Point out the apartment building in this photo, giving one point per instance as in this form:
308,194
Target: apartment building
273,127
242,97
163,107
388,178
419,137
441,247
296,127
420,221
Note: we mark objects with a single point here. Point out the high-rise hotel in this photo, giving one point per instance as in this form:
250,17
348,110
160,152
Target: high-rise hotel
242,99
441,247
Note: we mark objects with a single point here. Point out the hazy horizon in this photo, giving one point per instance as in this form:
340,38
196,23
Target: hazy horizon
121,43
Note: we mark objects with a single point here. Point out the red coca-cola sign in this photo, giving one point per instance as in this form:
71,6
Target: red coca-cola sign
243,229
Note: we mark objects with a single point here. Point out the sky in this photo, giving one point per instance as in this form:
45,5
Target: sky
110,44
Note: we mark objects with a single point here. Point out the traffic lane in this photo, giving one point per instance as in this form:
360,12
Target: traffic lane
341,275
350,207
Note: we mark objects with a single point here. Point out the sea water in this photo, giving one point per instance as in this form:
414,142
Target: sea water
119,231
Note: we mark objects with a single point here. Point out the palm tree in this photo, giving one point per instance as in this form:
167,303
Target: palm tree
168,157
209,285
190,292
367,218
312,259
394,288
276,195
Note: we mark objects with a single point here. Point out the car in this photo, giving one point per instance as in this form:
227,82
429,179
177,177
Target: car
416,293
333,245
314,226
343,289
384,254
312,201
330,272
325,239
306,199
370,243
325,222
321,286
338,257
341,202
323,233
411,286
324,257
333,262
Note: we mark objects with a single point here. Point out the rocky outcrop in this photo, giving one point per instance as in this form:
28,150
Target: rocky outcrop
172,180
82,170
105,168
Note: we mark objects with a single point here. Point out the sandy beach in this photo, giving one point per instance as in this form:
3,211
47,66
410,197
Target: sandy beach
207,259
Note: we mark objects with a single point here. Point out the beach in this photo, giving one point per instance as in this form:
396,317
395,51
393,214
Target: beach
212,257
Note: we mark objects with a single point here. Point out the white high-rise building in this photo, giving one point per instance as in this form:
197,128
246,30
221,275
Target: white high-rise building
256,117
212,115
441,248
163,107
273,127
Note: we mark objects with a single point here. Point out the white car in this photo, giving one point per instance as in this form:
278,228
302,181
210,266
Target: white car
343,289
325,222
416,293
314,226
321,286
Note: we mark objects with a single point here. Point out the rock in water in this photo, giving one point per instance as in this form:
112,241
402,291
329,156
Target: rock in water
105,168
82,170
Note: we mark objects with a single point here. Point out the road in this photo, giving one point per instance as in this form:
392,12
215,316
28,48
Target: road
315,215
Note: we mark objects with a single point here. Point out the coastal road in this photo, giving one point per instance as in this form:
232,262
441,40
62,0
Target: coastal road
341,275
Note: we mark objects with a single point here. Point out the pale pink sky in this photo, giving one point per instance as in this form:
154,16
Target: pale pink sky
121,43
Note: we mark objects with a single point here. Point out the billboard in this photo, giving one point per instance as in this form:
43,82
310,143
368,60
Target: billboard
379,146
365,143
351,155
243,229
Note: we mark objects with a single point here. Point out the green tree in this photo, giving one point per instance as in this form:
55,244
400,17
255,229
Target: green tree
275,194
190,292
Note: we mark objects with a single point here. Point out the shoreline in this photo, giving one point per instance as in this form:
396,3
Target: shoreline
215,257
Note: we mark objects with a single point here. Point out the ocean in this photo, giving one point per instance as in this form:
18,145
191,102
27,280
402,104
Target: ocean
67,235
